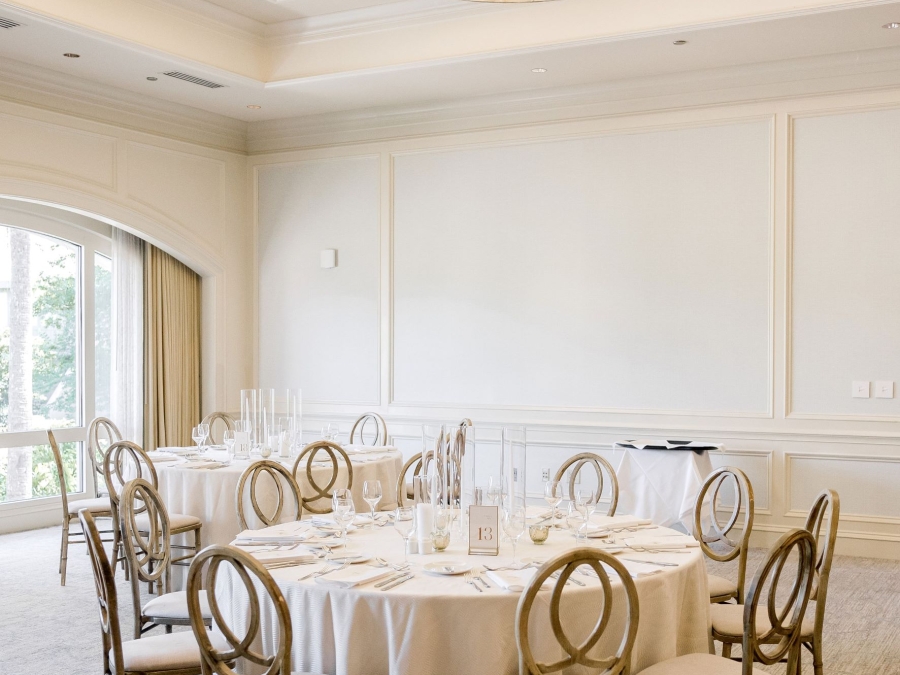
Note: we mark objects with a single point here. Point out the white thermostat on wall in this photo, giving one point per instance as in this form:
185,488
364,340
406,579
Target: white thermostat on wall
328,258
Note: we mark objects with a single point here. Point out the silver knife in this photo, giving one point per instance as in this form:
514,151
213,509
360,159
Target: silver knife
399,581
390,580
652,562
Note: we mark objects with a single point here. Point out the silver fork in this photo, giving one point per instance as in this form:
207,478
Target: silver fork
470,579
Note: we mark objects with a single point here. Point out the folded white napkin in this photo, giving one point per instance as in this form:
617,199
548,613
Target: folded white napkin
179,451
661,543
327,522
359,449
156,457
355,576
283,532
636,569
619,522
515,581
284,556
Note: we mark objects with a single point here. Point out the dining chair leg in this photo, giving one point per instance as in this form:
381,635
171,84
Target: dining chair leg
817,656
726,650
63,554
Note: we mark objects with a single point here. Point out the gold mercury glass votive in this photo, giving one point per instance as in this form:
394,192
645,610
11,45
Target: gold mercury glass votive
538,533
440,540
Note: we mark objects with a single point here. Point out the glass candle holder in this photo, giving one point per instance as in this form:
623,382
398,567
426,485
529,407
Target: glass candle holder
440,540
539,533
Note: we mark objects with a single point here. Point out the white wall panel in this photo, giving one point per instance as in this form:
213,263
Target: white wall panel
846,280
863,483
319,328
619,272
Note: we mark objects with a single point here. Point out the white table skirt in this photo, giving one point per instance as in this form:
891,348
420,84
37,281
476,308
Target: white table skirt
210,494
662,485
441,625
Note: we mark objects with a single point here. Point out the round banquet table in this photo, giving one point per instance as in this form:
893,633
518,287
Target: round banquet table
209,494
441,625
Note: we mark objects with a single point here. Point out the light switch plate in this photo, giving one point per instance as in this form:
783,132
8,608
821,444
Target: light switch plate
884,389
328,258
861,389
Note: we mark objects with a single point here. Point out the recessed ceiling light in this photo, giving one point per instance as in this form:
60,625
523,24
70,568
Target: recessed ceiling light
678,43
254,107
152,79
70,55
538,70
891,25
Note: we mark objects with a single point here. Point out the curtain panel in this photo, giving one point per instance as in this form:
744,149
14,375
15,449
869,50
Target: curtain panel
127,386
172,305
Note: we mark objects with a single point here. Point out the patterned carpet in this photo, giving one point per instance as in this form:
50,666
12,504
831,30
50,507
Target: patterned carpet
45,628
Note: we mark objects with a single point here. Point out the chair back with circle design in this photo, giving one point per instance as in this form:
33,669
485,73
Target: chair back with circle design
277,473
215,658
148,550
308,455
824,514
61,472
716,543
783,604
381,435
105,585
125,461
565,564
601,467
101,434
211,419
403,486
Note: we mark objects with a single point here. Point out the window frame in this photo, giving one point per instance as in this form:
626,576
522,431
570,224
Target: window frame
90,238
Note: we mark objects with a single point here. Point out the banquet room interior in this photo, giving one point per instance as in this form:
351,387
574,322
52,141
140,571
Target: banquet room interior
592,302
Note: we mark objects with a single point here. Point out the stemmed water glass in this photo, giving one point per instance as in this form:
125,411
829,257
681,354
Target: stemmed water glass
553,494
514,526
331,432
199,434
575,519
405,526
584,500
342,506
228,440
372,495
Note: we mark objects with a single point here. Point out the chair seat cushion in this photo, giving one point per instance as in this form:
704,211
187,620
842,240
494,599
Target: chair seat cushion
160,652
94,506
729,620
177,522
698,664
720,586
174,606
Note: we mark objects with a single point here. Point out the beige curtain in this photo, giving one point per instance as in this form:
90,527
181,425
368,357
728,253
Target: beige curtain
172,343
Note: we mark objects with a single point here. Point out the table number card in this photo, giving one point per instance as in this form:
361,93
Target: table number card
484,530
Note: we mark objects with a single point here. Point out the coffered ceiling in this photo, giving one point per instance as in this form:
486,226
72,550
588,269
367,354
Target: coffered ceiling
296,58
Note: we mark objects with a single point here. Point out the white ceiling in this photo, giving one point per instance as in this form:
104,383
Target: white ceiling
428,83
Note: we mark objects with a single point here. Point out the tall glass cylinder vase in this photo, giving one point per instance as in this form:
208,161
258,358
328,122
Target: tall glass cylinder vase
293,409
434,459
265,399
249,413
462,477
513,492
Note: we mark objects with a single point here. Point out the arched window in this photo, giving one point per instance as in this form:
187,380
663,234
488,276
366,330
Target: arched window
55,357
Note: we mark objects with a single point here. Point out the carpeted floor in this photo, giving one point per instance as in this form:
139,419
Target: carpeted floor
50,630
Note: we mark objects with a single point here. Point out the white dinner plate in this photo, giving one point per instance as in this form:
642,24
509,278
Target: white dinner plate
447,567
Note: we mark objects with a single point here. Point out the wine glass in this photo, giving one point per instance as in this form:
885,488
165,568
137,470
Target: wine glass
331,432
372,495
204,429
493,492
514,526
228,439
584,500
342,507
553,494
405,526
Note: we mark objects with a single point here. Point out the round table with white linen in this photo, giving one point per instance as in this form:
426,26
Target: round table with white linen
443,625
210,493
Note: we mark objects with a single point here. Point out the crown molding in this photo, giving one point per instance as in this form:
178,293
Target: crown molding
47,89
836,73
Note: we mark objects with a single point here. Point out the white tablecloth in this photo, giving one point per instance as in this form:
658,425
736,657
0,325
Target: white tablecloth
439,625
662,485
210,494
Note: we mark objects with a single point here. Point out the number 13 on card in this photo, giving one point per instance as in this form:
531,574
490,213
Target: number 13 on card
483,528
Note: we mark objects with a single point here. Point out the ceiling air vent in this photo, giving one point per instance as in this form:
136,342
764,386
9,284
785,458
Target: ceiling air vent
8,23
194,79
